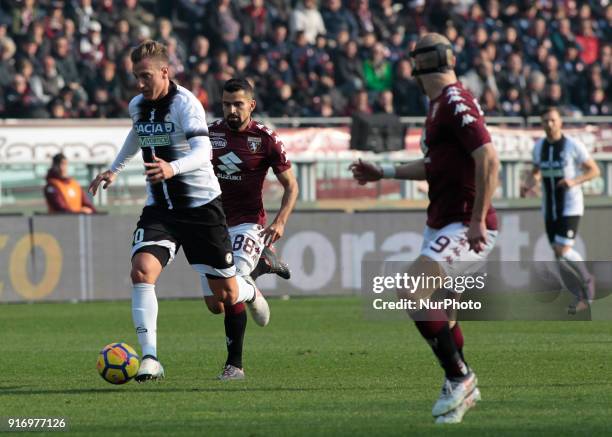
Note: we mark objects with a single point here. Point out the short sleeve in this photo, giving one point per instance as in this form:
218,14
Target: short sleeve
536,153
277,154
582,154
467,120
192,118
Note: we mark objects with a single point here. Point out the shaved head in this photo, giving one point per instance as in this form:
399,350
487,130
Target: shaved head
431,39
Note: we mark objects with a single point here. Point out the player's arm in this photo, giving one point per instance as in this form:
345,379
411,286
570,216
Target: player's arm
290,193
486,166
128,150
590,170
365,171
193,122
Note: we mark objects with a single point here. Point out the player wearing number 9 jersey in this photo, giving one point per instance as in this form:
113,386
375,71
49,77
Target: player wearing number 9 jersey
461,167
243,152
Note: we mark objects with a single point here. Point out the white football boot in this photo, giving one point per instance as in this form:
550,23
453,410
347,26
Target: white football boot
456,415
231,373
453,393
260,311
149,369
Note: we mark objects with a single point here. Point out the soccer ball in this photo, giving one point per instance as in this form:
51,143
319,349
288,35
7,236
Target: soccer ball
117,363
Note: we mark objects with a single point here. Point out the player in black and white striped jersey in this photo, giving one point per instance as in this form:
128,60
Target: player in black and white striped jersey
563,164
183,207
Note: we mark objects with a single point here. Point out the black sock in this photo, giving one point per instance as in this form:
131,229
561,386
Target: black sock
235,324
261,268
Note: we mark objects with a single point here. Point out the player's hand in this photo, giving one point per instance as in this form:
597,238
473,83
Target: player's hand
566,183
477,235
86,210
272,233
158,171
108,177
365,171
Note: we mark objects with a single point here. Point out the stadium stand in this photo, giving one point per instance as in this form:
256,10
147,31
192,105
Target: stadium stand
68,59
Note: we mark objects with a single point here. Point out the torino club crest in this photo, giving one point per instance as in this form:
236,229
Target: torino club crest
254,143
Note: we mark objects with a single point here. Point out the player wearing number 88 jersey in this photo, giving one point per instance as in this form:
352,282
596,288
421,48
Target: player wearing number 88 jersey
243,152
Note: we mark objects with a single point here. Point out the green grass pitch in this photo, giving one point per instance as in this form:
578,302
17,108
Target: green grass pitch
320,368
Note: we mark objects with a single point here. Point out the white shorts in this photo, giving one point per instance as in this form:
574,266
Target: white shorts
449,247
247,246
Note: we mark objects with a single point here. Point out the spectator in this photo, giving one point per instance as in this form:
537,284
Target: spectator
533,99
51,81
562,37
307,18
65,61
367,21
135,14
588,41
223,26
20,101
119,42
480,76
598,104
107,14
278,48
408,99
84,13
336,17
377,70
489,103
384,103
64,195
348,69
360,103
284,105
513,76
255,20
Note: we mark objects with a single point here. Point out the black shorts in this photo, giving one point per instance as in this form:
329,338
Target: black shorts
201,231
563,230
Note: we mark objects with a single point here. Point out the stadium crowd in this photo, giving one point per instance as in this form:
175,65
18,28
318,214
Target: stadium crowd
65,59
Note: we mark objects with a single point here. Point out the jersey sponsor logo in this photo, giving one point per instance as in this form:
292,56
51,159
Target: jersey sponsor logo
467,119
217,142
459,108
155,140
230,163
153,128
253,143
229,177
217,134
455,98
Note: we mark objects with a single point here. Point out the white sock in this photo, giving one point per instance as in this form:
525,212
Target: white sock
575,261
144,314
246,292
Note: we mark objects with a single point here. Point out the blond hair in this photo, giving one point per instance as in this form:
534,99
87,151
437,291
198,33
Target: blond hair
149,50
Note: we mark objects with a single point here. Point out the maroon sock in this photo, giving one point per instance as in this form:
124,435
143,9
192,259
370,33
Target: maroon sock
433,326
235,325
458,337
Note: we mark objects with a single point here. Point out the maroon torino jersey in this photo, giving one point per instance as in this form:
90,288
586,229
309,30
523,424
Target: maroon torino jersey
454,128
241,161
